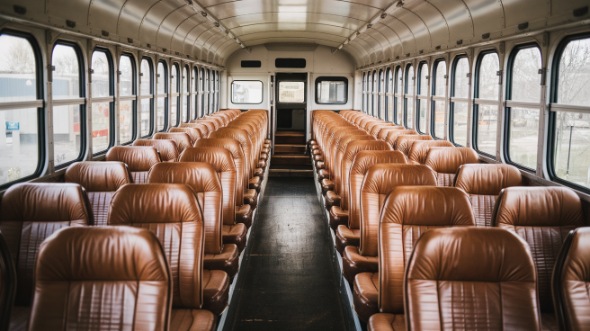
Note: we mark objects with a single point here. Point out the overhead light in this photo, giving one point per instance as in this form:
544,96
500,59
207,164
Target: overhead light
369,26
340,47
204,13
216,24
346,42
383,15
400,3
242,45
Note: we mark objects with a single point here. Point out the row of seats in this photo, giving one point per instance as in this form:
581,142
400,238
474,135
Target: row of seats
371,171
198,204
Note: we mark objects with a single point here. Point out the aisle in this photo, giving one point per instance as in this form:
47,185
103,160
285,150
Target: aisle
289,278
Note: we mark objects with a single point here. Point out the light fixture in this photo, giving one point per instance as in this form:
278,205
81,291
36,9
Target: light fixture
383,15
370,25
204,13
400,3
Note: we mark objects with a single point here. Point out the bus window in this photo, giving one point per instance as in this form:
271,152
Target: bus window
102,100
486,106
204,91
195,93
20,142
174,94
409,97
374,94
68,115
162,115
127,98
185,95
389,96
380,98
571,112
439,87
147,99
523,123
398,96
422,103
460,95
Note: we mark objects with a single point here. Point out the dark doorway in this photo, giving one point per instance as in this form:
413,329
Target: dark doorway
291,96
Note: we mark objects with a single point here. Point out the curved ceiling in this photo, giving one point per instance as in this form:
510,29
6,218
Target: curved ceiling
371,31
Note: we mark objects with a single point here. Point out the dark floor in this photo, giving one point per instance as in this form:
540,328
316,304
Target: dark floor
289,278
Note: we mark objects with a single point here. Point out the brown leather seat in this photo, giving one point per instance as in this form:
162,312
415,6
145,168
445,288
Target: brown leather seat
420,148
571,276
403,143
100,180
542,216
172,213
483,183
446,162
166,148
392,136
7,284
29,213
348,232
203,180
472,279
192,133
408,212
139,160
222,257
243,195
182,139
202,128
101,278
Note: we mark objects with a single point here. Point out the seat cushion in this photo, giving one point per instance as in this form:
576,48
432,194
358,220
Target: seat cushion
338,216
235,234
227,260
386,322
251,198
347,237
366,294
215,290
332,199
192,320
244,215
354,263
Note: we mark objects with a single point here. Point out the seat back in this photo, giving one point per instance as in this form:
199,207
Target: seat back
101,278
139,159
380,180
101,180
182,139
407,214
7,284
244,139
403,143
446,162
192,133
542,216
172,213
420,148
471,278
202,128
483,183
571,278
361,163
203,180
392,135
221,160
338,156
29,213
166,148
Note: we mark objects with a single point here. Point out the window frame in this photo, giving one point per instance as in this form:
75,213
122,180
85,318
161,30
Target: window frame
477,101
321,79
246,103
389,83
133,97
174,94
409,98
151,97
441,98
110,99
422,96
453,99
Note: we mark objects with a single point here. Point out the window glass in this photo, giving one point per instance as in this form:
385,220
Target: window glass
146,103
246,91
487,88
389,98
162,83
195,92
331,90
398,96
571,157
101,111
205,95
66,76
174,78
409,97
524,121
459,107
18,70
185,95
126,76
66,133
291,92
422,108
439,101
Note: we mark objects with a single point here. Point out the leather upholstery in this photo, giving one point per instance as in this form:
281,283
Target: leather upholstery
29,213
243,138
483,183
7,284
571,280
471,279
202,128
403,143
101,180
182,139
408,213
101,278
139,159
386,322
542,216
192,133
420,148
446,162
165,147
173,214
392,136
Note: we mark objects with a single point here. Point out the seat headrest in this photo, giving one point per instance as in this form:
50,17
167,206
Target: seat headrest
405,141
344,141
166,147
471,254
193,133
182,139
199,176
102,254
154,203
366,159
46,202
232,145
97,176
353,148
420,149
234,133
448,160
384,177
487,179
220,158
386,131
538,206
427,206
137,158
